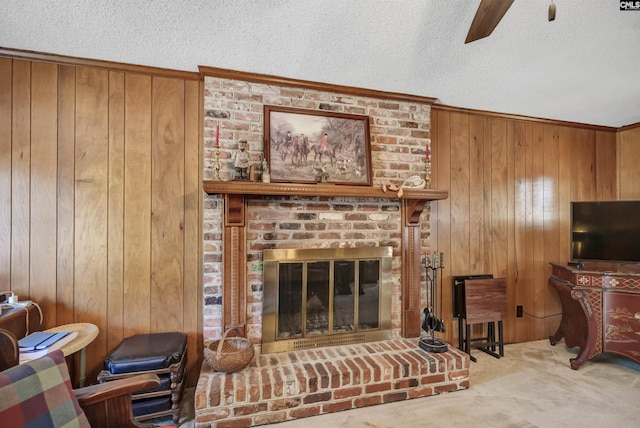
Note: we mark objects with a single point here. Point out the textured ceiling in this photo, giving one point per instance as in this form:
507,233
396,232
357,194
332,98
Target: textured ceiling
583,67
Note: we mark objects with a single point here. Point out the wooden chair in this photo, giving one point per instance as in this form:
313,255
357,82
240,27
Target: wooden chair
101,405
486,303
9,351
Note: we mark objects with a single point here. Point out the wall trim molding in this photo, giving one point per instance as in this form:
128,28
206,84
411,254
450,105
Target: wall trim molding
111,65
443,107
308,84
628,127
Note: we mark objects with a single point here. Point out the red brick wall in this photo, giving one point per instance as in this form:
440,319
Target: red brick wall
399,134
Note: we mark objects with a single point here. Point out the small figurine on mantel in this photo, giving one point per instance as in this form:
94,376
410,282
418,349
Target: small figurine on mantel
266,176
242,160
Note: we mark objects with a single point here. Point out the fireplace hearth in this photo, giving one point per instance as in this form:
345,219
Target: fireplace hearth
324,297
299,384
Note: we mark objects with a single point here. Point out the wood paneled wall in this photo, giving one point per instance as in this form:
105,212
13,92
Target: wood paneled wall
628,161
510,181
100,197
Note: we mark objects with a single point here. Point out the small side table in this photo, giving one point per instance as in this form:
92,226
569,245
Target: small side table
87,332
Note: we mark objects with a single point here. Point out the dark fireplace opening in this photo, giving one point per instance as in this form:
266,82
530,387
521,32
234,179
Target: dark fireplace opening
318,297
352,304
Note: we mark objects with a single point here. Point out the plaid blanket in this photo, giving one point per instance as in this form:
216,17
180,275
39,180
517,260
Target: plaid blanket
38,394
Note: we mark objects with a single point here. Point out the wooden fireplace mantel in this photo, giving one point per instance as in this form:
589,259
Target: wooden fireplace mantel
412,203
325,190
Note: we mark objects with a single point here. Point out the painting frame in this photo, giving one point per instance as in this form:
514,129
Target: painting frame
317,146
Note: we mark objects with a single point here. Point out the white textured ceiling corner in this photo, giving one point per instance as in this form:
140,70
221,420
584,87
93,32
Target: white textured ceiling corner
583,67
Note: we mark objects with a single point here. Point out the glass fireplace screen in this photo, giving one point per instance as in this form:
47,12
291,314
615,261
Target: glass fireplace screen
319,297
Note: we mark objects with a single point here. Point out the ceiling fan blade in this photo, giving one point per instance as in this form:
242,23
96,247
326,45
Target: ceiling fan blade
488,15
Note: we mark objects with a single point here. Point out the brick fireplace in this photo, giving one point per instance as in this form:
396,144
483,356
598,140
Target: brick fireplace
272,217
241,220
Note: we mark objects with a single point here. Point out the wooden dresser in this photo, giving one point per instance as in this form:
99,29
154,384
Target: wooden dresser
600,309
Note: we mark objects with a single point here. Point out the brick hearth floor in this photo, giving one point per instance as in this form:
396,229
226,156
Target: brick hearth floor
292,385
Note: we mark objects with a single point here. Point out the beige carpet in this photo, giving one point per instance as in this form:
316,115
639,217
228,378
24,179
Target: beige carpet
531,386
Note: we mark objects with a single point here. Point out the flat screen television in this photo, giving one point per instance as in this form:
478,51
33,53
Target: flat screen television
605,231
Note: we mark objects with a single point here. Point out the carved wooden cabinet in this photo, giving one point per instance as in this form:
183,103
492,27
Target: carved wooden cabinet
621,325
600,309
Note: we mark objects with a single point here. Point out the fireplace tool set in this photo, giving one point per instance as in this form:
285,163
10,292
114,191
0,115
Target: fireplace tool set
432,314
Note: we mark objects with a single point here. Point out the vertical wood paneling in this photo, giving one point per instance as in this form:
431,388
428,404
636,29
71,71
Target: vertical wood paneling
554,308
432,213
527,173
476,195
551,229
167,203
486,196
91,168
605,157
521,203
191,302
5,170
442,157
628,160
66,195
20,177
115,259
564,200
583,165
459,254
76,189
460,188
429,217
529,226
137,205
535,307
44,142
498,235
510,328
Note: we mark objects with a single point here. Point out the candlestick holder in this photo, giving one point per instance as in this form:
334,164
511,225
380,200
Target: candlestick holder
427,175
432,315
216,165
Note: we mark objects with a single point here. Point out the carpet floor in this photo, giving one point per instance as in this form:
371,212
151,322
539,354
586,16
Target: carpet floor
531,386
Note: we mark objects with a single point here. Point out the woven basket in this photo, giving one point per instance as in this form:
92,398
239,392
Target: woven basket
229,354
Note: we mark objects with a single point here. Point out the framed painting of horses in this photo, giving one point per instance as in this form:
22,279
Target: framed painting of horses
314,146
